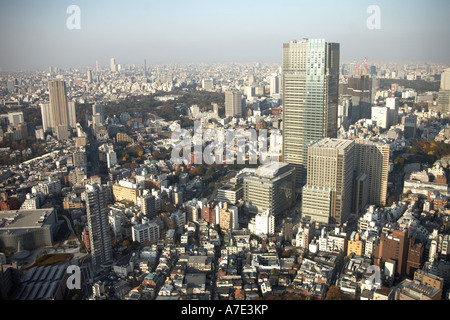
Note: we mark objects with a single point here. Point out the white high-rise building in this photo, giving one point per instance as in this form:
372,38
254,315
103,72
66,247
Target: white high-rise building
15,118
270,187
80,131
179,218
89,76
393,105
274,85
208,84
113,65
111,159
115,221
445,79
381,115
46,117
262,224
71,114
32,201
305,234
444,93
146,232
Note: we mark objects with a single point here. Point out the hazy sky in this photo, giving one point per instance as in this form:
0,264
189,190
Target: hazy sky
33,33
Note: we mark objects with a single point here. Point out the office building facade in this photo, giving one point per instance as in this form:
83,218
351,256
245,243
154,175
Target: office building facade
46,117
373,159
98,223
392,246
359,88
228,217
127,191
62,112
444,93
99,109
270,188
148,205
146,232
327,195
234,104
310,79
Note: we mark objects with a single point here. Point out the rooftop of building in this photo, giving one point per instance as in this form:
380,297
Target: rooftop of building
271,169
23,219
40,283
195,278
333,143
415,289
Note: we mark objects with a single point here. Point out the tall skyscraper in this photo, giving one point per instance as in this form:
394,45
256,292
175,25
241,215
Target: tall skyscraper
11,86
89,76
444,93
310,80
113,65
99,109
359,88
274,85
327,195
62,112
58,103
145,68
46,117
98,224
234,104
72,115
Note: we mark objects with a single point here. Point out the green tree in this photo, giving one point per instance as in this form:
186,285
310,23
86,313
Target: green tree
334,293
209,173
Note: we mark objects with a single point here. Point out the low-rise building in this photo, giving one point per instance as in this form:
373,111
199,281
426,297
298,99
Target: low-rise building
30,228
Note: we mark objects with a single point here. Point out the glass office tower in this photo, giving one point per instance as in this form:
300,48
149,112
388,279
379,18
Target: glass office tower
310,82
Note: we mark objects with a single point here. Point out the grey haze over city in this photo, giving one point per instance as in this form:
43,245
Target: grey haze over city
240,152
35,33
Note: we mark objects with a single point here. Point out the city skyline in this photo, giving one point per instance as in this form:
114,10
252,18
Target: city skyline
224,151
37,35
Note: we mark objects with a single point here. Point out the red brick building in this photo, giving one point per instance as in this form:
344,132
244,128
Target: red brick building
10,204
209,213
415,254
393,245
